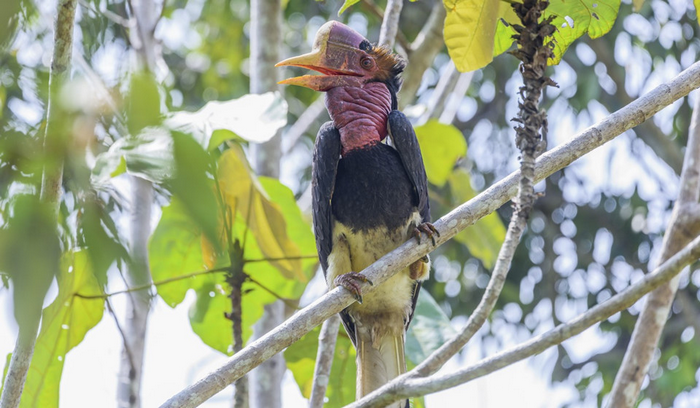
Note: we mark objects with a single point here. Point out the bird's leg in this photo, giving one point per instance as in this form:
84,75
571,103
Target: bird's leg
352,281
429,230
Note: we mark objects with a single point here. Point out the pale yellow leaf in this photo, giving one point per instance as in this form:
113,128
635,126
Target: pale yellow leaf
470,28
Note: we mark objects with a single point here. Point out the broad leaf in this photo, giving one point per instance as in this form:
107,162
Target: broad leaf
64,325
470,27
441,146
30,253
574,19
243,194
175,250
484,238
255,118
301,358
696,3
148,155
430,329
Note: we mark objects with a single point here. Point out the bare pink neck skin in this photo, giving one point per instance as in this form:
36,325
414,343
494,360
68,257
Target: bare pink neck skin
360,114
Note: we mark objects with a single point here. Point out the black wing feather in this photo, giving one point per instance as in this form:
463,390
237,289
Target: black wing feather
323,172
405,142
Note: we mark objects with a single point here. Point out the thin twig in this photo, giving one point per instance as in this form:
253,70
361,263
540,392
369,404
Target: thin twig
324,360
127,349
623,300
373,8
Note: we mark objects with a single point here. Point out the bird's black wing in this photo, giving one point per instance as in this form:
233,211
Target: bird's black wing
405,142
404,139
323,172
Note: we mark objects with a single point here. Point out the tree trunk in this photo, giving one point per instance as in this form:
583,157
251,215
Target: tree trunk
138,303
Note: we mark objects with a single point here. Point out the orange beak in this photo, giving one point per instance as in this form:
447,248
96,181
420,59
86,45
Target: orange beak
335,54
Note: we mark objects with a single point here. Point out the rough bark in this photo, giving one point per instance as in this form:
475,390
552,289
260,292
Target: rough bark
682,228
51,189
461,217
139,302
324,360
413,387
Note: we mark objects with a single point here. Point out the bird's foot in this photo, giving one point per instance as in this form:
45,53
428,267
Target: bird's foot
419,270
352,281
428,229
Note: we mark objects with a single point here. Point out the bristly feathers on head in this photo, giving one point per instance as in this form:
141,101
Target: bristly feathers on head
392,65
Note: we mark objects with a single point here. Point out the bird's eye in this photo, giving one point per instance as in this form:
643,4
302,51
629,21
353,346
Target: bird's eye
367,63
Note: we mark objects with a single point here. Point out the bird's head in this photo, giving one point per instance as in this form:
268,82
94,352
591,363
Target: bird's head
345,58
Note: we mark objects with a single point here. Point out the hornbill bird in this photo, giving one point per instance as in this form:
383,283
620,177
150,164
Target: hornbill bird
369,197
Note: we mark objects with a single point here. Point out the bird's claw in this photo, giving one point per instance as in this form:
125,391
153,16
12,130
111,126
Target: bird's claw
428,229
352,282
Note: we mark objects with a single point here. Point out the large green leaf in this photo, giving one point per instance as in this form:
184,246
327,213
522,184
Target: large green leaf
470,27
572,20
441,145
346,5
301,358
484,238
64,325
430,329
255,118
504,29
30,253
175,250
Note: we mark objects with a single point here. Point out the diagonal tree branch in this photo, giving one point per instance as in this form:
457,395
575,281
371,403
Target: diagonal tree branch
683,227
461,217
414,387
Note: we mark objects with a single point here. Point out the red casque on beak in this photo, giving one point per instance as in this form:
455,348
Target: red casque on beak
336,54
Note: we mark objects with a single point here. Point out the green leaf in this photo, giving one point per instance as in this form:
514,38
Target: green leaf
301,358
696,3
255,118
504,30
148,155
484,238
194,186
592,17
470,27
30,253
441,146
143,102
64,325
175,250
346,5
429,329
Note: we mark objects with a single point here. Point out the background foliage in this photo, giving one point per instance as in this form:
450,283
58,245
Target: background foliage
595,231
